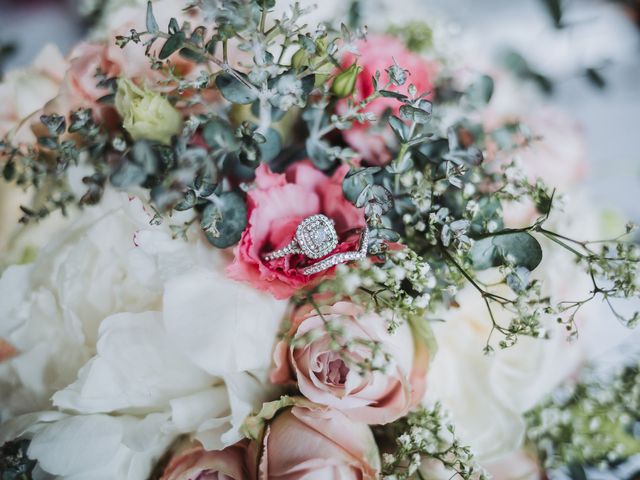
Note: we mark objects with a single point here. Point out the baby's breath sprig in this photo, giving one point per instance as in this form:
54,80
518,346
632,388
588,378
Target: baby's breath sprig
399,286
589,424
426,435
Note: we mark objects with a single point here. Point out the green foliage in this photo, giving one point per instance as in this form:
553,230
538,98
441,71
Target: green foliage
236,89
14,462
224,219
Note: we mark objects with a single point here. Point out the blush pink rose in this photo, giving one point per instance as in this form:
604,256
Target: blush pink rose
80,85
377,53
79,88
196,463
333,378
276,206
317,444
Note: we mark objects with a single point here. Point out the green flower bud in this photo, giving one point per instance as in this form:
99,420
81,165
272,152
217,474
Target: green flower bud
345,81
300,59
146,114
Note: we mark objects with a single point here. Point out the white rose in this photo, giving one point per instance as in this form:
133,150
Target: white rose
117,317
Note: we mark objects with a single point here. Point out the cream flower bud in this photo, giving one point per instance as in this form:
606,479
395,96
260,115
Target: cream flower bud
146,114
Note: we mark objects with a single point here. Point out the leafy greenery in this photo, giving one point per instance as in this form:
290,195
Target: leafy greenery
592,423
14,462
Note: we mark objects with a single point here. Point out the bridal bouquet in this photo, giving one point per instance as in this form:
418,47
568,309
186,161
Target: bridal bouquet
297,250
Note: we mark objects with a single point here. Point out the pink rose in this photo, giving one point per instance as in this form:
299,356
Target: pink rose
302,443
333,378
377,53
276,206
196,463
79,88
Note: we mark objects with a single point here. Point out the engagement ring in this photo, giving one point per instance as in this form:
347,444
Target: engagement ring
315,238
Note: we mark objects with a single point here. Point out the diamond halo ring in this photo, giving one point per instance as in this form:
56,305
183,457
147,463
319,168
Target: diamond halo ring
315,238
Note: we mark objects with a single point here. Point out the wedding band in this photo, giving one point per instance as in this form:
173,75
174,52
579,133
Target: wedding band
315,238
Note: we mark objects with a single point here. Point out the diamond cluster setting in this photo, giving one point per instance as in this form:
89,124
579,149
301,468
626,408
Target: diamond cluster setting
316,236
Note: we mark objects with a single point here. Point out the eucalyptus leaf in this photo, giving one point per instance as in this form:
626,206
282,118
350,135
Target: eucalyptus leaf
480,91
219,134
174,43
271,147
489,214
398,127
396,95
318,153
356,181
152,24
234,90
189,201
517,249
143,155
128,174
415,114
224,220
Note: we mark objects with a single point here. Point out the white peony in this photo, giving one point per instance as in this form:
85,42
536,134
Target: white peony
115,317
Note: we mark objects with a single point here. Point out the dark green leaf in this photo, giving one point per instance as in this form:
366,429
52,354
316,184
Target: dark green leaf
518,249
234,90
173,44
152,25
396,95
9,170
192,55
224,221
173,26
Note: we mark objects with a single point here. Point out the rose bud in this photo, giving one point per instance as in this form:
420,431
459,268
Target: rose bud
376,379
193,462
317,443
146,114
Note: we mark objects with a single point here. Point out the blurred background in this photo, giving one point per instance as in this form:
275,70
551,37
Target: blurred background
583,54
